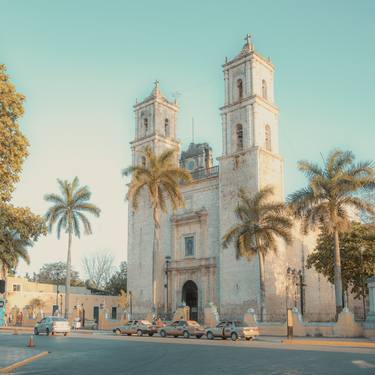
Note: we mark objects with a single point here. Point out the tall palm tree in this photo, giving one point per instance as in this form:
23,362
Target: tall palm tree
159,176
331,198
12,248
261,221
68,213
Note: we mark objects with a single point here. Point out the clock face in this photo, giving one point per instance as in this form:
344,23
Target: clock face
191,165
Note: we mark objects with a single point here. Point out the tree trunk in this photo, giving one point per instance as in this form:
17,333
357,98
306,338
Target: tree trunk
67,283
338,280
155,255
262,285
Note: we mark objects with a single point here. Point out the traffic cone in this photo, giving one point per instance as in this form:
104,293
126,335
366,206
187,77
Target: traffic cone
30,343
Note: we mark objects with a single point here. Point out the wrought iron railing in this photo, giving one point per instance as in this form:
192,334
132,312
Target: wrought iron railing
205,173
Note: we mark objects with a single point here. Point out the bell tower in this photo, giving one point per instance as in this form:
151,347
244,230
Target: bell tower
250,160
155,124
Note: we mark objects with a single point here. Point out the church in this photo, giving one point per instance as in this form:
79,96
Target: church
192,267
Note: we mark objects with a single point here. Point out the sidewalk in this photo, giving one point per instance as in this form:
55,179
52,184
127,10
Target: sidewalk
360,342
13,357
20,330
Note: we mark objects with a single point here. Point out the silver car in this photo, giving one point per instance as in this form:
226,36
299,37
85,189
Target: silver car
52,325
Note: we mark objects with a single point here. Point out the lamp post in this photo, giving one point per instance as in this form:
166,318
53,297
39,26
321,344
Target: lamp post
167,263
61,302
131,304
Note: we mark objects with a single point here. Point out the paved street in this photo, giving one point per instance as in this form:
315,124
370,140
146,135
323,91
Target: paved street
94,354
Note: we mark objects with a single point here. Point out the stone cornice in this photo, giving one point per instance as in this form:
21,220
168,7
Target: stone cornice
240,59
190,264
155,137
190,216
157,100
249,101
256,149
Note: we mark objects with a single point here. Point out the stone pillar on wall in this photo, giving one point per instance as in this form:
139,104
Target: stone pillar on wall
370,320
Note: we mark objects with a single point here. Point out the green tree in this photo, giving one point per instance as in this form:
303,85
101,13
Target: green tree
260,222
12,248
55,273
160,177
357,248
13,145
68,213
333,194
119,280
18,226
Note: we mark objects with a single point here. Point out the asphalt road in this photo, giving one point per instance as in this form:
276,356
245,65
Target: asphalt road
94,354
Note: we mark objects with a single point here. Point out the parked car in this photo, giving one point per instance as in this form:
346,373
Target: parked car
231,329
185,328
138,327
52,324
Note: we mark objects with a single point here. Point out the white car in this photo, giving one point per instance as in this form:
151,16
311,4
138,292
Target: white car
52,325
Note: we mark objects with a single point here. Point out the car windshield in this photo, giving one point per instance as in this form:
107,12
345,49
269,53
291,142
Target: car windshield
58,319
146,322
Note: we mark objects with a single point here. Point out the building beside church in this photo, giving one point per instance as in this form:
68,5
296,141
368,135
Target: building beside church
192,267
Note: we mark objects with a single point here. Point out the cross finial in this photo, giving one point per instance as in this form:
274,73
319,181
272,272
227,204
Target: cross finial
156,83
248,38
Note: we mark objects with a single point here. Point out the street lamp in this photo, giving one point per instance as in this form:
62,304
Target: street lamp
61,303
167,263
131,304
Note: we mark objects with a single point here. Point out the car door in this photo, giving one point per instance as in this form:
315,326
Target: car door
42,325
133,328
218,330
125,329
182,325
227,329
172,329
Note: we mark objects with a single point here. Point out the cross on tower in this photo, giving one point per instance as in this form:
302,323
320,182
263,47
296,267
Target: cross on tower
156,82
248,38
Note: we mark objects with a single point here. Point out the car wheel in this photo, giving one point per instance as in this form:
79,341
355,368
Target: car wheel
175,336
36,332
151,334
210,335
47,331
186,334
198,336
249,338
53,333
117,332
163,333
65,333
234,336
139,333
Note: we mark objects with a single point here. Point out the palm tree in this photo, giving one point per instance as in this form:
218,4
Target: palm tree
12,248
261,221
331,198
160,177
68,212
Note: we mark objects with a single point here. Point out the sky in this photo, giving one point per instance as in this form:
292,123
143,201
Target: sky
83,63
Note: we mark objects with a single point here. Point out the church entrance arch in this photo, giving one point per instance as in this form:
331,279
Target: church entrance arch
190,297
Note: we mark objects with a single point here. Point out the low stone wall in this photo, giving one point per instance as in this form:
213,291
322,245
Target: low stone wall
345,326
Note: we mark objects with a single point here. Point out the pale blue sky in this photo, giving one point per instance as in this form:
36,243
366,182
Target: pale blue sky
82,64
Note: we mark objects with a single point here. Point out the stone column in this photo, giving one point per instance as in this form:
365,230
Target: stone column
370,320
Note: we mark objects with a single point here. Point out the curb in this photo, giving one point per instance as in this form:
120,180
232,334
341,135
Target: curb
353,344
15,365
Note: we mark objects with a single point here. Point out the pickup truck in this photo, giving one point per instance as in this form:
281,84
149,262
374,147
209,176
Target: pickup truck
232,329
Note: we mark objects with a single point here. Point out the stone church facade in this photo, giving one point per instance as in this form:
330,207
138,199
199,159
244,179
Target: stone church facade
192,266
